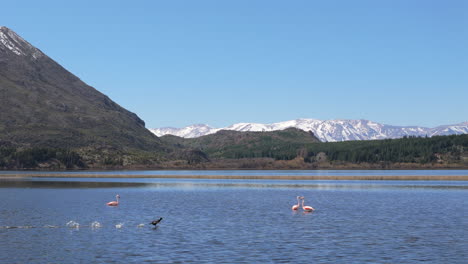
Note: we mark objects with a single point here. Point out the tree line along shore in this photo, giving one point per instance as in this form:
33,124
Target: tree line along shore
252,150
248,177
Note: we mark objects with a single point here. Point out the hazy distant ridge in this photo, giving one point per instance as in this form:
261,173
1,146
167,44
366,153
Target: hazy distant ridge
325,130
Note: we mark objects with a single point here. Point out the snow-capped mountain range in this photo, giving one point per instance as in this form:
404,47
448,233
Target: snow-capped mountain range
325,130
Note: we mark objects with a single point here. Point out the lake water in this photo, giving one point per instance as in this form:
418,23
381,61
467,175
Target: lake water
232,221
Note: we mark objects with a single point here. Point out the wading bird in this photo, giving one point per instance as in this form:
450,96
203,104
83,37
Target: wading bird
305,207
114,203
296,206
155,222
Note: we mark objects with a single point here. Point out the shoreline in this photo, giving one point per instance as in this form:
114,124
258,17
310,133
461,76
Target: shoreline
249,177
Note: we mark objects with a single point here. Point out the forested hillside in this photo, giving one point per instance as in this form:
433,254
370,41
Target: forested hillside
263,150
451,149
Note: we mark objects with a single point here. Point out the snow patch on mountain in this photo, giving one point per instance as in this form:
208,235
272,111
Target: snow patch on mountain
325,130
17,44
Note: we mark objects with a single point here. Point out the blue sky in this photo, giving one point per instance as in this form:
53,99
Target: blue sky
176,63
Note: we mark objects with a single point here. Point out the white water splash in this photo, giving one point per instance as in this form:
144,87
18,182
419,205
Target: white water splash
141,225
73,224
95,225
119,225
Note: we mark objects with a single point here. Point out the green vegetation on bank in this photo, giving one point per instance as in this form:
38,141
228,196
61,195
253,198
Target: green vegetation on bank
47,158
407,150
287,149
13,158
274,151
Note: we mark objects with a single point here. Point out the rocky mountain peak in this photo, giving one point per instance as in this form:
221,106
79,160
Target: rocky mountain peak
43,104
10,42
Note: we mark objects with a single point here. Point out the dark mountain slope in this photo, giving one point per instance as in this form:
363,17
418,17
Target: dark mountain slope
44,105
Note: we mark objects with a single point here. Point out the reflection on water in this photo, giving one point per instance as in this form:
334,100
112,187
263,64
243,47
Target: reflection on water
258,172
26,183
203,183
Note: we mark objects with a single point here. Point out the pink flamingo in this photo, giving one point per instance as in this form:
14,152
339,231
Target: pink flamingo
305,207
296,206
114,203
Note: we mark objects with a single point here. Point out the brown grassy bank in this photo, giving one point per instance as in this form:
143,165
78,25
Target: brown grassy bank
249,177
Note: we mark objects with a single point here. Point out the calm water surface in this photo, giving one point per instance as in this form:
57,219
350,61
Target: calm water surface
232,221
